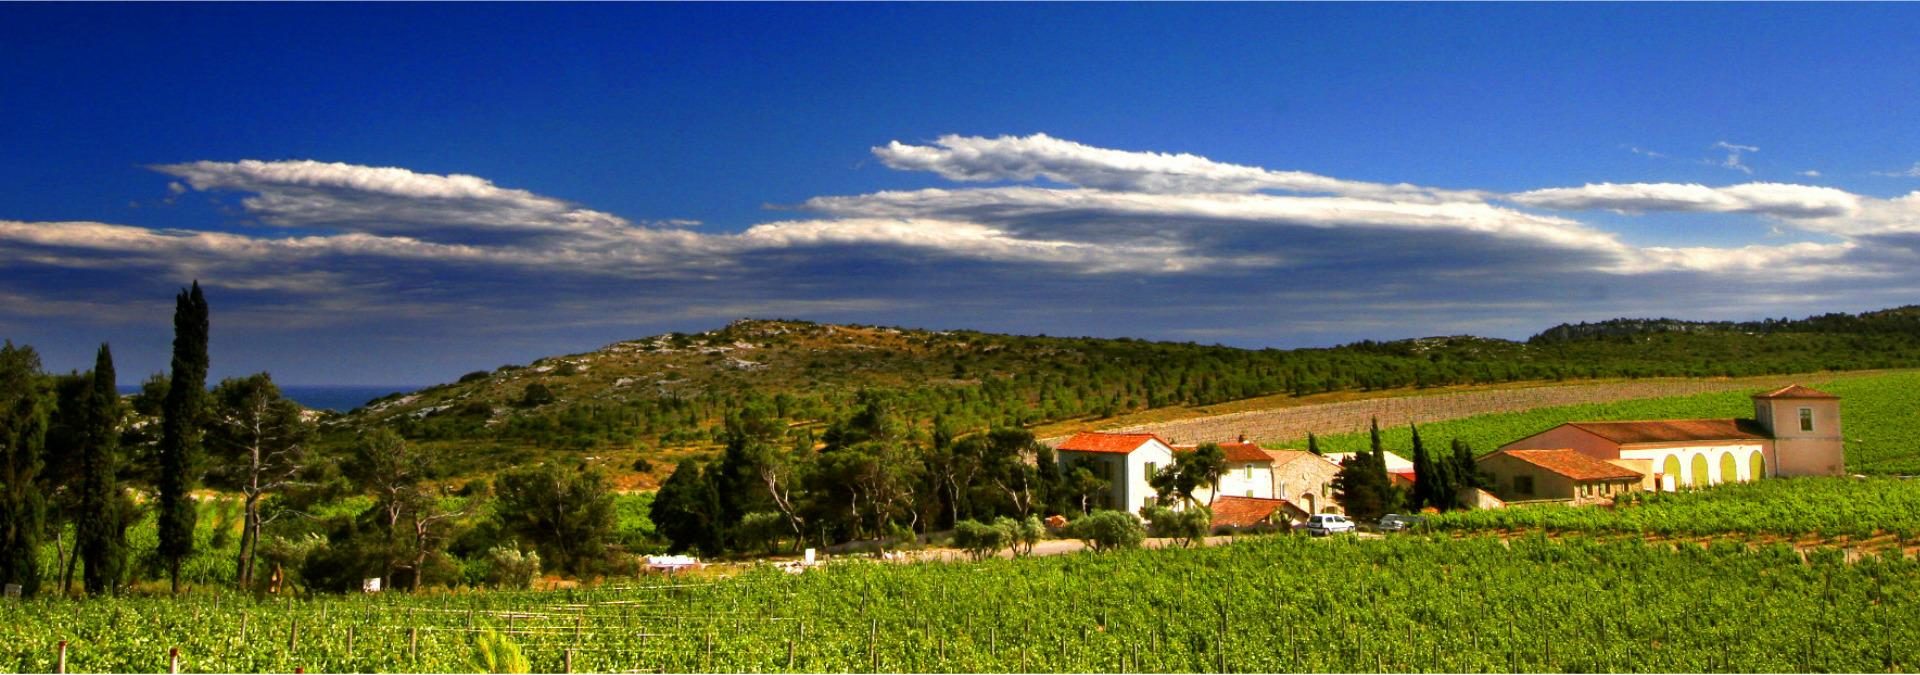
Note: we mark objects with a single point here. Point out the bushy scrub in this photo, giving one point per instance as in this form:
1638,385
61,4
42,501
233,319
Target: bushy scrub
1187,525
1108,530
508,567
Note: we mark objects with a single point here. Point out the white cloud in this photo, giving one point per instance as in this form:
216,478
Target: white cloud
1776,199
1810,173
1909,172
1734,152
1026,158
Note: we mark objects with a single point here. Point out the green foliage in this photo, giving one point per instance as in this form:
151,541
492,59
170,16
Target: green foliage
566,513
974,381
180,430
23,434
494,653
686,510
1189,473
509,568
1189,525
100,516
1108,530
1880,422
1827,506
979,540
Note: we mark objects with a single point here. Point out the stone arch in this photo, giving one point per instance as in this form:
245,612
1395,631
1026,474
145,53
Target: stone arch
1729,468
1757,466
1671,469
1309,502
1699,470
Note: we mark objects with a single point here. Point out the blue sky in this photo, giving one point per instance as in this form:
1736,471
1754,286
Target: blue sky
403,193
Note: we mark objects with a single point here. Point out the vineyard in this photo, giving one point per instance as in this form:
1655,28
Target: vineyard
1349,417
1276,604
1827,507
1878,413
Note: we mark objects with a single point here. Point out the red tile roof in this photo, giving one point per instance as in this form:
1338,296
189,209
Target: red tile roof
1236,452
1795,391
1094,441
1245,511
1572,464
1669,431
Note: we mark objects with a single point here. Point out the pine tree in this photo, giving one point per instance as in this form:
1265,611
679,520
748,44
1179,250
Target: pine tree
100,530
180,430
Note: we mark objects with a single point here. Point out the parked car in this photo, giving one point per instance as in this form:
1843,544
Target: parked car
1323,524
1394,522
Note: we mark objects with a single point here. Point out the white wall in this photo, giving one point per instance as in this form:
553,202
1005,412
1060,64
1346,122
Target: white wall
1130,488
1235,483
1742,455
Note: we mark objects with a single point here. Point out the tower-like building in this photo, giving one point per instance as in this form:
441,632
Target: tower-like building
1805,425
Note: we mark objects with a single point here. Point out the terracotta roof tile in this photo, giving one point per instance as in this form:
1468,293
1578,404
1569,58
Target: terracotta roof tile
1668,431
1572,464
1795,391
1244,511
1236,452
1094,441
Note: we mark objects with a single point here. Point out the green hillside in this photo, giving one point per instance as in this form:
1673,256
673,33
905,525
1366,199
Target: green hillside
658,397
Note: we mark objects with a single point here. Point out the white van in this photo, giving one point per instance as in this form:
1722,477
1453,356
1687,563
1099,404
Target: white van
1323,524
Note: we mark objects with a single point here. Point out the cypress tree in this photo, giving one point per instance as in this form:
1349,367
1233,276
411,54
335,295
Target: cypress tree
23,436
1426,480
1466,473
180,430
100,534
1313,445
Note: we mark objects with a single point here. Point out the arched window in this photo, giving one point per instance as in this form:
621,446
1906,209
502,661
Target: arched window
1672,472
1700,468
1757,465
1729,468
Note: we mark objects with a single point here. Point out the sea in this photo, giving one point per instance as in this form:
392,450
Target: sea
340,397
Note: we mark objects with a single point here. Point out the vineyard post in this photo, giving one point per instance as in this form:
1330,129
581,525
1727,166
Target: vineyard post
993,641
566,663
873,643
413,643
1221,643
349,639
789,654
708,664
173,661
293,636
60,658
243,626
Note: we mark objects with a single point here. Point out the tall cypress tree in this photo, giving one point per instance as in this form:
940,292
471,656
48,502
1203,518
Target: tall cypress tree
1313,444
1466,473
100,532
23,436
180,430
1426,481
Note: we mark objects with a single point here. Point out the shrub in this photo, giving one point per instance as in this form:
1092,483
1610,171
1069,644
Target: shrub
1108,530
978,539
1021,535
474,376
1188,525
642,465
536,394
507,567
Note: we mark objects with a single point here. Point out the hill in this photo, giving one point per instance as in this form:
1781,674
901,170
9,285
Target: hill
658,397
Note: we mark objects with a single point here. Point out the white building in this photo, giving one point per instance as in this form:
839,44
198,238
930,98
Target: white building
1125,460
1249,472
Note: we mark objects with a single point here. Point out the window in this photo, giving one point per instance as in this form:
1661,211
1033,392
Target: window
1151,468
1150,500
1249,493
1523,485
1249,474
1806,419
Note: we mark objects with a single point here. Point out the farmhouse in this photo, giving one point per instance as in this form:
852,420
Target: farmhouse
1125,460
1249,472
1795,431
1305,479
1561,475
